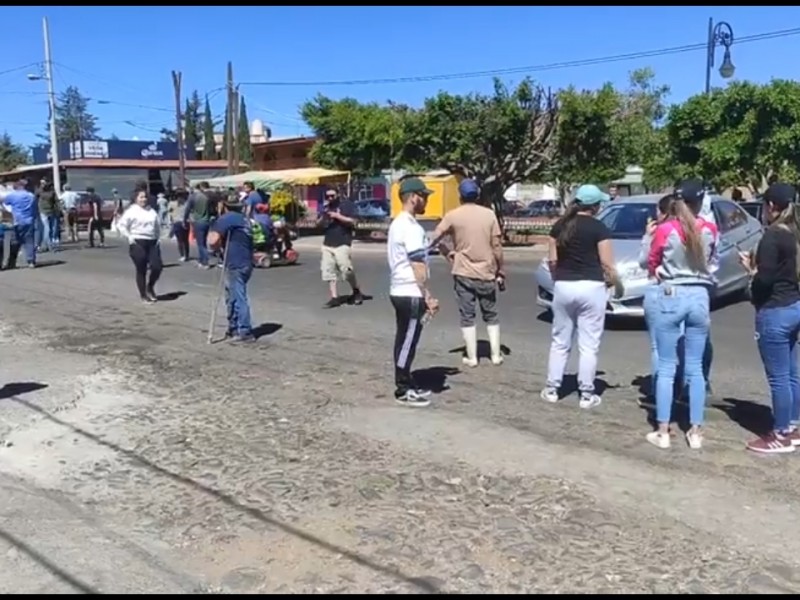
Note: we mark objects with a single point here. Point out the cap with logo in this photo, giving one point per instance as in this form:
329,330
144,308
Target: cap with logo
589,194
468,189
690,190
780,195
414,185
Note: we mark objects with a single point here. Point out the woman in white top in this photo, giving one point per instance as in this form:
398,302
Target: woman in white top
141,225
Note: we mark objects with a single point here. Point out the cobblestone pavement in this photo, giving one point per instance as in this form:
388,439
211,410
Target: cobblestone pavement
135,457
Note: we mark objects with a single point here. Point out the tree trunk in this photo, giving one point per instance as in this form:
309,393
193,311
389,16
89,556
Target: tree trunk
492,196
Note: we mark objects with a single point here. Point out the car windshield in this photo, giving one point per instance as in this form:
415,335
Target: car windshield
627,220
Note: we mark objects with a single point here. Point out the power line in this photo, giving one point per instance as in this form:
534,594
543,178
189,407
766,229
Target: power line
531,68
21,68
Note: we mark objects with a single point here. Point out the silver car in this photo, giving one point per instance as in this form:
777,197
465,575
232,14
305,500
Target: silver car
627,218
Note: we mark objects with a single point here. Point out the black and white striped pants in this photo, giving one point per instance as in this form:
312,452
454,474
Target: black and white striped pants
408,311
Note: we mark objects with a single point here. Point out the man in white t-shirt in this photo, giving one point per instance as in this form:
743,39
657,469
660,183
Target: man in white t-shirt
407,250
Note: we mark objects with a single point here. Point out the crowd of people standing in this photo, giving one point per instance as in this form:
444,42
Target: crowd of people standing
679,251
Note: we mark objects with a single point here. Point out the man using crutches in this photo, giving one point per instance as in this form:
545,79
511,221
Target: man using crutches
232,233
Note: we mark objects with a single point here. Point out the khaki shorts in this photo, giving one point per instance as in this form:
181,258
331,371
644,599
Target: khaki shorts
336,263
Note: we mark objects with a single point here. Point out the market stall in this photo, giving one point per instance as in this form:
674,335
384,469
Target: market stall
291,189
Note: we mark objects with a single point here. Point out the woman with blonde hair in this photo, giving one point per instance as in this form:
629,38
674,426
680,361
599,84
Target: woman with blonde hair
774,291
682,251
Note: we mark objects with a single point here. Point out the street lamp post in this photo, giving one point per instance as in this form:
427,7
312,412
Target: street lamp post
720,34
51,97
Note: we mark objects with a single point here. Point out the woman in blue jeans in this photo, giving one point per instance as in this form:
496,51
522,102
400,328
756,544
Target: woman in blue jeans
776,297
664,211
682,248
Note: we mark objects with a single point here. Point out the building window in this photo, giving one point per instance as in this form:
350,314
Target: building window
365,191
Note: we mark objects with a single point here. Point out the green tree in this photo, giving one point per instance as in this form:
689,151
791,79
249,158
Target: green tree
74,122
745,134
243,134
500,139
168,135
356,137
113,137
192,120
586,148
209,145
639,130
602,132
12,155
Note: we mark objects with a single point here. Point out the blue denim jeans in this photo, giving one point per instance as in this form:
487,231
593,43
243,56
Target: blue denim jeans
201,237
26,237
54,231
237,302
651,293
674,311
776,334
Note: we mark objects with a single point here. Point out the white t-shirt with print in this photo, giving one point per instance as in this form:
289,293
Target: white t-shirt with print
406,238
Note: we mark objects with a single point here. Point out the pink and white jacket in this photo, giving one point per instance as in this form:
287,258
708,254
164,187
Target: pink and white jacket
668,260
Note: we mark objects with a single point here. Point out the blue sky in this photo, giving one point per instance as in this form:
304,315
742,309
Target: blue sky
123,55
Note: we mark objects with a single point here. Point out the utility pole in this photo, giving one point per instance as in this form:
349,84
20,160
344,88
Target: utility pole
51,98
176,82
235,131
231,125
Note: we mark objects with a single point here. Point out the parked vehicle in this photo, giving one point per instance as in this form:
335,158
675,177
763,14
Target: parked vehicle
85,211
755,209
540,208
627,219
372,209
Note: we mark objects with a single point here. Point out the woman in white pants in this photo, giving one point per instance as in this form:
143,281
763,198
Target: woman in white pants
581,264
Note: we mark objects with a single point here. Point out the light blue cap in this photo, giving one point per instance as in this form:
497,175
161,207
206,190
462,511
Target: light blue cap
591,194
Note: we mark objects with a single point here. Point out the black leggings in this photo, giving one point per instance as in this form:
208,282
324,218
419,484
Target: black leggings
182,236
146,253
408,311
96,225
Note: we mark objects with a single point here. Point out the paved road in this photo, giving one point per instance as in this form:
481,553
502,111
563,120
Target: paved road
136,458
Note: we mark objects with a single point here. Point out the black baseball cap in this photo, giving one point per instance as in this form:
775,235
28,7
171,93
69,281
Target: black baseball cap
690,190
780,195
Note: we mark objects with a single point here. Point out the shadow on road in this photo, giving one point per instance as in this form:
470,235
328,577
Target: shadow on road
12,391
434,378
266,329
347,299
170,296
418,582
755,418
569,385
45,563
43,264
484,350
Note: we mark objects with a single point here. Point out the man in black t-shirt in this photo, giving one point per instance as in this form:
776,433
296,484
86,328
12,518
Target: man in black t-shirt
339,220
96,224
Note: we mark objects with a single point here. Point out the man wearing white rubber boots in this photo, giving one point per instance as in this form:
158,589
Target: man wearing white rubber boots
476,257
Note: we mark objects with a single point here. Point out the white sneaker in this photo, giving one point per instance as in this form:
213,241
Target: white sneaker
694,439
658,439
549,394
589,401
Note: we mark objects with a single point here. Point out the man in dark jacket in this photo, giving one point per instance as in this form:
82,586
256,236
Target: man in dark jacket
49,213
96,224
199,211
